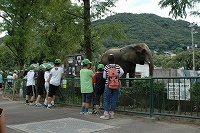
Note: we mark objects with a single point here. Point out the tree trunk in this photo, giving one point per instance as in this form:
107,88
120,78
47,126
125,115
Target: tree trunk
87,30
21,67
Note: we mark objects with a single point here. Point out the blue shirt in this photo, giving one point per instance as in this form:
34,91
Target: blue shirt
1,78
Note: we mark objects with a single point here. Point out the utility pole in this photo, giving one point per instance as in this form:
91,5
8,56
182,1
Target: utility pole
192,34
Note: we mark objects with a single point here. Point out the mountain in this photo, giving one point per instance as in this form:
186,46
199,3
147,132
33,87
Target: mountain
160,34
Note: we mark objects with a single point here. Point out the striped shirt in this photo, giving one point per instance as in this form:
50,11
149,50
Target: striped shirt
105,73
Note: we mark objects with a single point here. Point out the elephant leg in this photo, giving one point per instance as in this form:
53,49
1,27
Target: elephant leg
123,82
132,75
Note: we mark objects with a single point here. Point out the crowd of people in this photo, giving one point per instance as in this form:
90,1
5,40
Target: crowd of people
96,84
48,80
93,86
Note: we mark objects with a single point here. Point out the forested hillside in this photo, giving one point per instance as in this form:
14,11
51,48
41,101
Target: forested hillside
161,34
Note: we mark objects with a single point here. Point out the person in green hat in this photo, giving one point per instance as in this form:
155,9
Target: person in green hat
15,76
9,80
30,84
99,85
40,84
56,74
46,85
86,76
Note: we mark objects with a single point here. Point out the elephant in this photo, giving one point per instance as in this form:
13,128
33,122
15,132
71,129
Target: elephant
127,57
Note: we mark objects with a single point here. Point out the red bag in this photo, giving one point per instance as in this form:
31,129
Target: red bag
113,81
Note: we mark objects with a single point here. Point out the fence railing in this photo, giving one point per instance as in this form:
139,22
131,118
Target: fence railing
168,96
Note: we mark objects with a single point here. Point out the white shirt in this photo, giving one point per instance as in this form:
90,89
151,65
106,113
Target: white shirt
56,73
31,78
46,75
10,78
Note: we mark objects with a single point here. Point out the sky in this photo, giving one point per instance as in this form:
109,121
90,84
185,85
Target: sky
145,6
148,6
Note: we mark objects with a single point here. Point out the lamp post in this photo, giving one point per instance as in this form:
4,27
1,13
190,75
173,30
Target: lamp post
192,33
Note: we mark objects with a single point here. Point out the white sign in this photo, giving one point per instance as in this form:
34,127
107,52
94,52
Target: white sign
178,91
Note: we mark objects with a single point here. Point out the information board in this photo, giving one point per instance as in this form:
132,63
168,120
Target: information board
74,65
178,91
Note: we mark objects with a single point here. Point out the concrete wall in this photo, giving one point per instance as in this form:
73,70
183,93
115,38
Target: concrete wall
174,73
143,71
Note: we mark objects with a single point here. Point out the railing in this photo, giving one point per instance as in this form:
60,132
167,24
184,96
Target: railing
168,96
9,87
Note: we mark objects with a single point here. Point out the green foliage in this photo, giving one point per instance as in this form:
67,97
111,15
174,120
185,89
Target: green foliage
183,59
160,34
178,7
42,31
195,94
7,60
59,30
143,87
139,93
159,60
18,85
18,21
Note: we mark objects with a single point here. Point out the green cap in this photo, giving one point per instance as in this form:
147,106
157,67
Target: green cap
100,67
86,61
49,66
42,66
10,73
57,61
32,66
15,71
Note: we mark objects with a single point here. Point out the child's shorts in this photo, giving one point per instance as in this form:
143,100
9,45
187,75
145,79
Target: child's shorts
97,99
87,97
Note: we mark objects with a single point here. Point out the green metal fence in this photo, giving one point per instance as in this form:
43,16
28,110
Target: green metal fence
168,96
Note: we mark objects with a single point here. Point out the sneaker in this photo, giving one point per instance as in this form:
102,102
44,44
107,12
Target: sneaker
31,104
1,92
81,113
49,107
87,113
27,103
38,104
98,113
111,116
45,105
105,117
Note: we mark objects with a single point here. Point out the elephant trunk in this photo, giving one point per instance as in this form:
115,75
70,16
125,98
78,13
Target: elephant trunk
151,66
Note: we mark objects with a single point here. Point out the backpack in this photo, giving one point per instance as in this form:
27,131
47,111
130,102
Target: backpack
113,80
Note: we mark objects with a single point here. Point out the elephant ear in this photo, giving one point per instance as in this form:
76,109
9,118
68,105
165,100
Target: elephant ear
133,53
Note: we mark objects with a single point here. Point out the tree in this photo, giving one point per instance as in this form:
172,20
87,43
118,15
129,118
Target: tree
178,7
7,60
183,59
158,60
60,30
98,8
18,20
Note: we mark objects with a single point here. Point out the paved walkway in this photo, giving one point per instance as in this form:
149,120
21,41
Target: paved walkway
21,118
